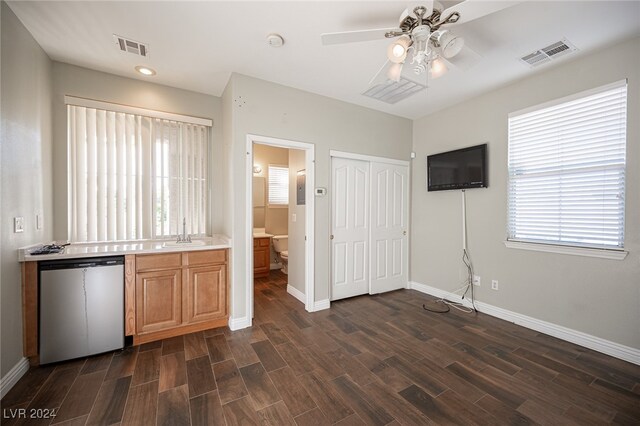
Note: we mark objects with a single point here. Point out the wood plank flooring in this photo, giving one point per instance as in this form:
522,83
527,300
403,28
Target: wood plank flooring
378,360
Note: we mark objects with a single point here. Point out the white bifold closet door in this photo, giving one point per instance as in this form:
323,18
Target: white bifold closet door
369,227
389,217
350,224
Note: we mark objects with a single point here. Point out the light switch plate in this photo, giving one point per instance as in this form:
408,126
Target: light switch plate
18,224
38,221
293,217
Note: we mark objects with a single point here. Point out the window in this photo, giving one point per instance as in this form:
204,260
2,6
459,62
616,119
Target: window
567,170
278,186
134,177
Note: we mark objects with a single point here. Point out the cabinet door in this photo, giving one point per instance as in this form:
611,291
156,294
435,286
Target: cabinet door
261,264
158,300
206,293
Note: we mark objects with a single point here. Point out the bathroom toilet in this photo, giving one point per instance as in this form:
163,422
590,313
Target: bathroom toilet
281,247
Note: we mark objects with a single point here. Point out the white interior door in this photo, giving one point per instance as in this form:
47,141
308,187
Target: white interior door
350,227
389,218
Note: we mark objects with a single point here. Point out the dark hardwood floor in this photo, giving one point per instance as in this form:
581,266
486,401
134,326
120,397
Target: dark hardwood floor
378,360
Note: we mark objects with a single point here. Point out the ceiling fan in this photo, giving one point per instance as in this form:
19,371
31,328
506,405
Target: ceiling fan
423,36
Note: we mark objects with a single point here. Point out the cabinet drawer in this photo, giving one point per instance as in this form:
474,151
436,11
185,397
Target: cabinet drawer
147,262
264,242
207,257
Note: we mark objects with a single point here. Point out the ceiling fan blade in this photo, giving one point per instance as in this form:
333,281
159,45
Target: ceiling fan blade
429,5
355,36
466,59
474,9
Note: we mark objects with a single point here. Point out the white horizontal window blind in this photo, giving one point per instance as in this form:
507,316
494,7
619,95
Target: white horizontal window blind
567,171
278,185
135,177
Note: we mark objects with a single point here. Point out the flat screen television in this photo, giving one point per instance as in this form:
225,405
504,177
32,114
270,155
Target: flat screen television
460,169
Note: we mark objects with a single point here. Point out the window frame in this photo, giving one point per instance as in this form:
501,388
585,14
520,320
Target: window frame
204,175
615,253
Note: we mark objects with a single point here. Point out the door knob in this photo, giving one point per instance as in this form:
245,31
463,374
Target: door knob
331,237
404,232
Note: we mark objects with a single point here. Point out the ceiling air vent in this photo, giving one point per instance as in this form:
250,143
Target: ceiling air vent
132,46
392,92
546,54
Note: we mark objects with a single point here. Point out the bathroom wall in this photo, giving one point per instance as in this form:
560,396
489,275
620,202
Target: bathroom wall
275,221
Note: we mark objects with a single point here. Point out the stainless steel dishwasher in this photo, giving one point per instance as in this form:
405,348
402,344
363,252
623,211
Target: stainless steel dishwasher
81,307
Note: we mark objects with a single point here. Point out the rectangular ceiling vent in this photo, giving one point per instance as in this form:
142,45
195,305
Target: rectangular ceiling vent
132,46
546,54
392,92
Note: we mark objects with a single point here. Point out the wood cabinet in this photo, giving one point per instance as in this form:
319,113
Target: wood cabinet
165,295
261,257
158,300
179,293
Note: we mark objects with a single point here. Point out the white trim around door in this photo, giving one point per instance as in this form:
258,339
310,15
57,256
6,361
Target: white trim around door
309,264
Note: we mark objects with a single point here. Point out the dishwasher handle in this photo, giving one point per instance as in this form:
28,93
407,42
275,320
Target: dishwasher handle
81,263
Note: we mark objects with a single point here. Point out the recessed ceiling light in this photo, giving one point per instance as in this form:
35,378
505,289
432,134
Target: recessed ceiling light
275,40
145,70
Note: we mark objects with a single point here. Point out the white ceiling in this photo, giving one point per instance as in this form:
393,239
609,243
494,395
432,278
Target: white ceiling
197,45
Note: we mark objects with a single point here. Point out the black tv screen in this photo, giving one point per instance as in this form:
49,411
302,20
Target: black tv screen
460,169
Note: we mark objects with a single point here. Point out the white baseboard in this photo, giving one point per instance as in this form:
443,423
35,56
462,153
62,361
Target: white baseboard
239,323
296,293
11,378
608,347
320,305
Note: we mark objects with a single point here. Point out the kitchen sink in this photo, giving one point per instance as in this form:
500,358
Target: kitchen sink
173,244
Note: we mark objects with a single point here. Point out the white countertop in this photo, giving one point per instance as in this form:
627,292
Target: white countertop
80,250
262,235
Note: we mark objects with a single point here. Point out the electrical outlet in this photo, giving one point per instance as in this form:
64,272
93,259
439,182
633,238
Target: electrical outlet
293,217
477,280
494,284
18,224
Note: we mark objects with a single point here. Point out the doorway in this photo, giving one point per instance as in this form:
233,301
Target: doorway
369,224
270,217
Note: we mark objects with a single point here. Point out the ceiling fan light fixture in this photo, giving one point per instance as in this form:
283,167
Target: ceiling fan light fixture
395,72
397,51
450,44
438,68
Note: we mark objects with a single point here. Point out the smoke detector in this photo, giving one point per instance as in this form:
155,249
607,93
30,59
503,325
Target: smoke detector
275,40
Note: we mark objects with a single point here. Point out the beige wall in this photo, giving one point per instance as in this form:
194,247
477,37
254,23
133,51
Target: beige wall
296,233
86,83
269,109
275,221
25,168
595,296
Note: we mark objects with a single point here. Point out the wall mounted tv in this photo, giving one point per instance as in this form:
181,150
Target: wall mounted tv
460,169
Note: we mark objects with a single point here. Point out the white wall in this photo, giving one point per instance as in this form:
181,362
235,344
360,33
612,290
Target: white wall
296,267
596,296
25,168
86,83
269,109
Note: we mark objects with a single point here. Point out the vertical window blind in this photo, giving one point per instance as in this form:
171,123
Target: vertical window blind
566,166
134,177
278,185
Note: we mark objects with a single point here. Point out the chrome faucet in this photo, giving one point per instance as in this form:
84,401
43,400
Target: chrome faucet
184,238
